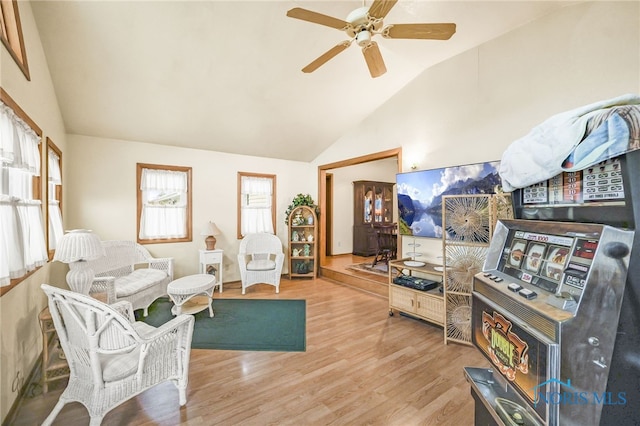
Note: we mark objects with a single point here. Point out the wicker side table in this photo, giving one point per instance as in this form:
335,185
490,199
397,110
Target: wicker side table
54,364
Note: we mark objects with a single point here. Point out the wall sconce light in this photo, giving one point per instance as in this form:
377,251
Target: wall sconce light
414,166
210,230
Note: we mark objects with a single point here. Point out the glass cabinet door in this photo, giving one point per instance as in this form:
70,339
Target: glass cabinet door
387,205
368,204
378,205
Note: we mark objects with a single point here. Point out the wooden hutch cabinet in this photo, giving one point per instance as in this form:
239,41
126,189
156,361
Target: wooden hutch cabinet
372,208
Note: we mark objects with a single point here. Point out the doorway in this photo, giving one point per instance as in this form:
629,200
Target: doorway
325,193
328,245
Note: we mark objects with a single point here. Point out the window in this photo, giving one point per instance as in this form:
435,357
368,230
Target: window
164,203
22,246
54,196
256,203
11,34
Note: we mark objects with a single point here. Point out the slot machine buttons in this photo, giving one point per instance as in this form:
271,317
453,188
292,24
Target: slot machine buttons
514,287
497,279
528,294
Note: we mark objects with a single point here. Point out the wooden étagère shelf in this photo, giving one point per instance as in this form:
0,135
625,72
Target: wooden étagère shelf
303,243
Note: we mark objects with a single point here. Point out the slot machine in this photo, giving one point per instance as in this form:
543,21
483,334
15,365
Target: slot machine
556,309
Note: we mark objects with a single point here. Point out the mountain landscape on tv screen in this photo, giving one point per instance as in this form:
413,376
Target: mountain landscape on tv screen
420,194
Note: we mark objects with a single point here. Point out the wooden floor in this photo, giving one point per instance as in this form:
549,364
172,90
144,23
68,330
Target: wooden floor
360,367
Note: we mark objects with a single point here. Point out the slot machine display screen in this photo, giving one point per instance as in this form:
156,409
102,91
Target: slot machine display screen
538,259
583,196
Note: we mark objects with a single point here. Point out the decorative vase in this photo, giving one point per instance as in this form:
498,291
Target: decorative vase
302,268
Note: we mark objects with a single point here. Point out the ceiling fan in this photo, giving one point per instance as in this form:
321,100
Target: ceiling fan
362,24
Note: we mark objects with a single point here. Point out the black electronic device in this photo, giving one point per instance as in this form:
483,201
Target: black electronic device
415,283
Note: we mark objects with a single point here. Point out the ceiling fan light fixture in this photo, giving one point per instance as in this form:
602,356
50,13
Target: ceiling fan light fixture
363,38
358,17
365,22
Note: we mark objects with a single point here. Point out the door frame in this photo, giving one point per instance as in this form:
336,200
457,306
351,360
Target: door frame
322,189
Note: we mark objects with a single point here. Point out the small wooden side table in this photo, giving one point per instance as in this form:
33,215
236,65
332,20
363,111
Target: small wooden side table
54,365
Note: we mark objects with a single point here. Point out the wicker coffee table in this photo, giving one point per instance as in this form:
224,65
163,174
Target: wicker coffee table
192,294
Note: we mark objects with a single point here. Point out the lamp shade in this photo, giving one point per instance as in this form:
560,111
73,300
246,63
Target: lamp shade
210,229
77,245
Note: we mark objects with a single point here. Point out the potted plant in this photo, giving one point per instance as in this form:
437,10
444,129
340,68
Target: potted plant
300,200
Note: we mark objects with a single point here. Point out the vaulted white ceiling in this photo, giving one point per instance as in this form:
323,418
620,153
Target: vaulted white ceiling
226,75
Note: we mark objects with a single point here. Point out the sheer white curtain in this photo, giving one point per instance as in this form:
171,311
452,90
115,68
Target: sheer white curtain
56,230
22,246
256,205
164,206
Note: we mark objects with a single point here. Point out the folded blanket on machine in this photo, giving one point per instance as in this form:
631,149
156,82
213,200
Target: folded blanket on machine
573,140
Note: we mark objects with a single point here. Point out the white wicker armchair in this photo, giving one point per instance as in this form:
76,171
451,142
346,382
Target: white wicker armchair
111,356
260,259
129,272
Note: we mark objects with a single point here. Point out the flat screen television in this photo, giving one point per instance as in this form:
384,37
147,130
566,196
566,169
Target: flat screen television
420,194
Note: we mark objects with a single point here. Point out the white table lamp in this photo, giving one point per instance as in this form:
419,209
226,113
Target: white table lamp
210,230
76,247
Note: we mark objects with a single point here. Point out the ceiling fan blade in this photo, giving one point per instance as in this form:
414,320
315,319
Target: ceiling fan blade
325,57
421,31
380,8
317,18
374,59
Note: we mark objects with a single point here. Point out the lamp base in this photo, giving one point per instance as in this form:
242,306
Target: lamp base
210,241
80,277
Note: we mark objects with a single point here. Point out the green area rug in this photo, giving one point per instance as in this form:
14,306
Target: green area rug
242,324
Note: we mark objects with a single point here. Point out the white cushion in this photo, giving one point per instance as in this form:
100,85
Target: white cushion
117,367
138,280
260,256
261,265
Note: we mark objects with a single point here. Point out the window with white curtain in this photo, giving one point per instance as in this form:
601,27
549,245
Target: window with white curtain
11,34
54,195
164,203
256,203
22,246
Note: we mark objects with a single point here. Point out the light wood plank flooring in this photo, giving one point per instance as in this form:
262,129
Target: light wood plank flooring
360,367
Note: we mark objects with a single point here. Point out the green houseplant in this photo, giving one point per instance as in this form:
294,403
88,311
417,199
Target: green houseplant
301,200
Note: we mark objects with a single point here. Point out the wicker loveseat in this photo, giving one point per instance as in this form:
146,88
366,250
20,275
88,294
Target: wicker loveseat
129,272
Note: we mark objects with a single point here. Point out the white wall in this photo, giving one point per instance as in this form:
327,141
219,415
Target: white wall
343,203
465,110
101,188
20,337
470,108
